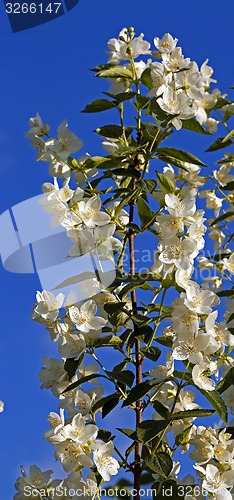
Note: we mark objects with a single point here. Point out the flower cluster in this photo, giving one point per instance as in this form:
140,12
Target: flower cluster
181,88
98,214
214,456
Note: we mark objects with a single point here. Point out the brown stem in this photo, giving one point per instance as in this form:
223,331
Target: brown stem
138,357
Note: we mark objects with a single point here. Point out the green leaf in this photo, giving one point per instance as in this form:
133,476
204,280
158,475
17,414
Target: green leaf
161,409
226,293
113,307
212,396
108,340
217,402
178,154
198,412
162,119
112,131
230,430
220,103
124,376
146,78
109,405
71,365
104,435
128,432
102,401
226,382
75,279
192,124
218,144
96,69
161,463
98,105
142,101
126,199
144,333
149,429
148,186
145,213
228,187
97,161
165,183
125,172
116,72
224,216
230,135
137,393
82,381
122,97
151,352
183,438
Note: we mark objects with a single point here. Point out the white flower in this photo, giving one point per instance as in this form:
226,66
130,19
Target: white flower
176,103
180,253
180,208
186,400
217,483
79,432
200,378
198,300
84,317
196,231
222,175
53,376
83,239
59,168
212,201
206,72
81,173
212,125
36,127
228,264
84,401
219,335
228,396
66,143
37,478
71,456
71,346
166,44
89,212
56,423
118,47
123,215
218,236
162,372
160,78
48,304
207,101
169,224
55,207
175,61
182,277
104,240
191,348
86,489
106,465
184,320
1,406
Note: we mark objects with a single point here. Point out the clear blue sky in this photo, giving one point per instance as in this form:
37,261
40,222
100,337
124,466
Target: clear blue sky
45,69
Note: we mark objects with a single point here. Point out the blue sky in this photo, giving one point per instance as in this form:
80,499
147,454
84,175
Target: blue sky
45,69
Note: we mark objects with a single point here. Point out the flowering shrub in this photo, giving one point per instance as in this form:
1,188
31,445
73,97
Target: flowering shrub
160,322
